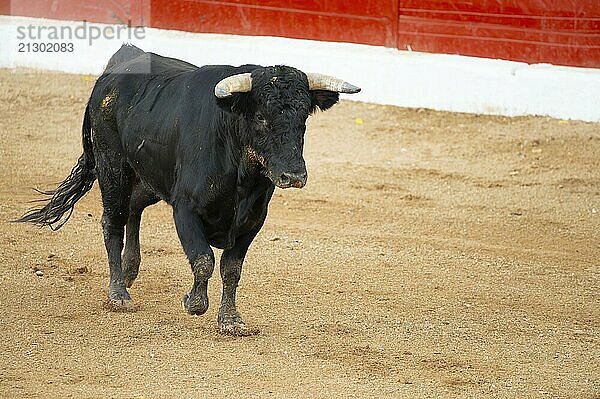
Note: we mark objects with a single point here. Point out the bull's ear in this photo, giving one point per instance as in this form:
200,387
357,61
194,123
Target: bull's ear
323,99
238,103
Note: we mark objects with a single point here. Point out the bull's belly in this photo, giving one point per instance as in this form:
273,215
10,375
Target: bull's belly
152,165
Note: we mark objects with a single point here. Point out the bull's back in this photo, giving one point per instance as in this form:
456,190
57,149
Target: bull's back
165,117
136,103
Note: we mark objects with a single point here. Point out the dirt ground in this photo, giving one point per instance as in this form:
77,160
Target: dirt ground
431,255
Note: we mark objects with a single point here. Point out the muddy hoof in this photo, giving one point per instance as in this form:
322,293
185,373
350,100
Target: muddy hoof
197,305
120,305
131,269
129,280
231,323
237,329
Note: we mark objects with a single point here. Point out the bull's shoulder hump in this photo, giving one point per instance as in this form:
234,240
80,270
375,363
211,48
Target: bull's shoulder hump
171,62
146,63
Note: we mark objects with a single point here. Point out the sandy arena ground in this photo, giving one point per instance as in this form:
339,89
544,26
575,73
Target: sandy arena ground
431,255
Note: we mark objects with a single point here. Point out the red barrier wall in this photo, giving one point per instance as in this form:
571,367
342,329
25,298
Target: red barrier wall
368,21
116,11
562,32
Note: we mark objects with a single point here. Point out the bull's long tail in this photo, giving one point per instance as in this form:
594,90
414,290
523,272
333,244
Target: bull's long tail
62,200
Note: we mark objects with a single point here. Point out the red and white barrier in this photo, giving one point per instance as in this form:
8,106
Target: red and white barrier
387,76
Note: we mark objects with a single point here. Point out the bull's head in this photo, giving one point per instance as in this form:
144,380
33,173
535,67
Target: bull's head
275,103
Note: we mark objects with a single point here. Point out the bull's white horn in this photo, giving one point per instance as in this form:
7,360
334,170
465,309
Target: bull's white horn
317,81
240,83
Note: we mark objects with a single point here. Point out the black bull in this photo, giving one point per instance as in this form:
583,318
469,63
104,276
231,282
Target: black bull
213,142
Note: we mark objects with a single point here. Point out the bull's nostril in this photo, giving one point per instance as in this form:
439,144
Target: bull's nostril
284,178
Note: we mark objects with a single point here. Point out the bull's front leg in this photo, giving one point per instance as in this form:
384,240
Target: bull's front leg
200,255
229,320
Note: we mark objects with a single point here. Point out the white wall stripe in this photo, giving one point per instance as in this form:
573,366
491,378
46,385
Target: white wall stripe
387,76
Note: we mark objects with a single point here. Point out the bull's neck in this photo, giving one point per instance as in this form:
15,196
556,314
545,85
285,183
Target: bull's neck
234,139
250,171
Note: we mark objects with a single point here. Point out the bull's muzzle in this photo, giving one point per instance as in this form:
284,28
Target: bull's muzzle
291,179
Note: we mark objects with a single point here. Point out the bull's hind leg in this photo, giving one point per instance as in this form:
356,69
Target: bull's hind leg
115,179
142,196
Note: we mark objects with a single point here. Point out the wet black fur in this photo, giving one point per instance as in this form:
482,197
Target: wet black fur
153,130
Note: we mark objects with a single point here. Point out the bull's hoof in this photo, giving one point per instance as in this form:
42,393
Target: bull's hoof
131,268
120,305
237,330
119,299
197,305
232,324
129,279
